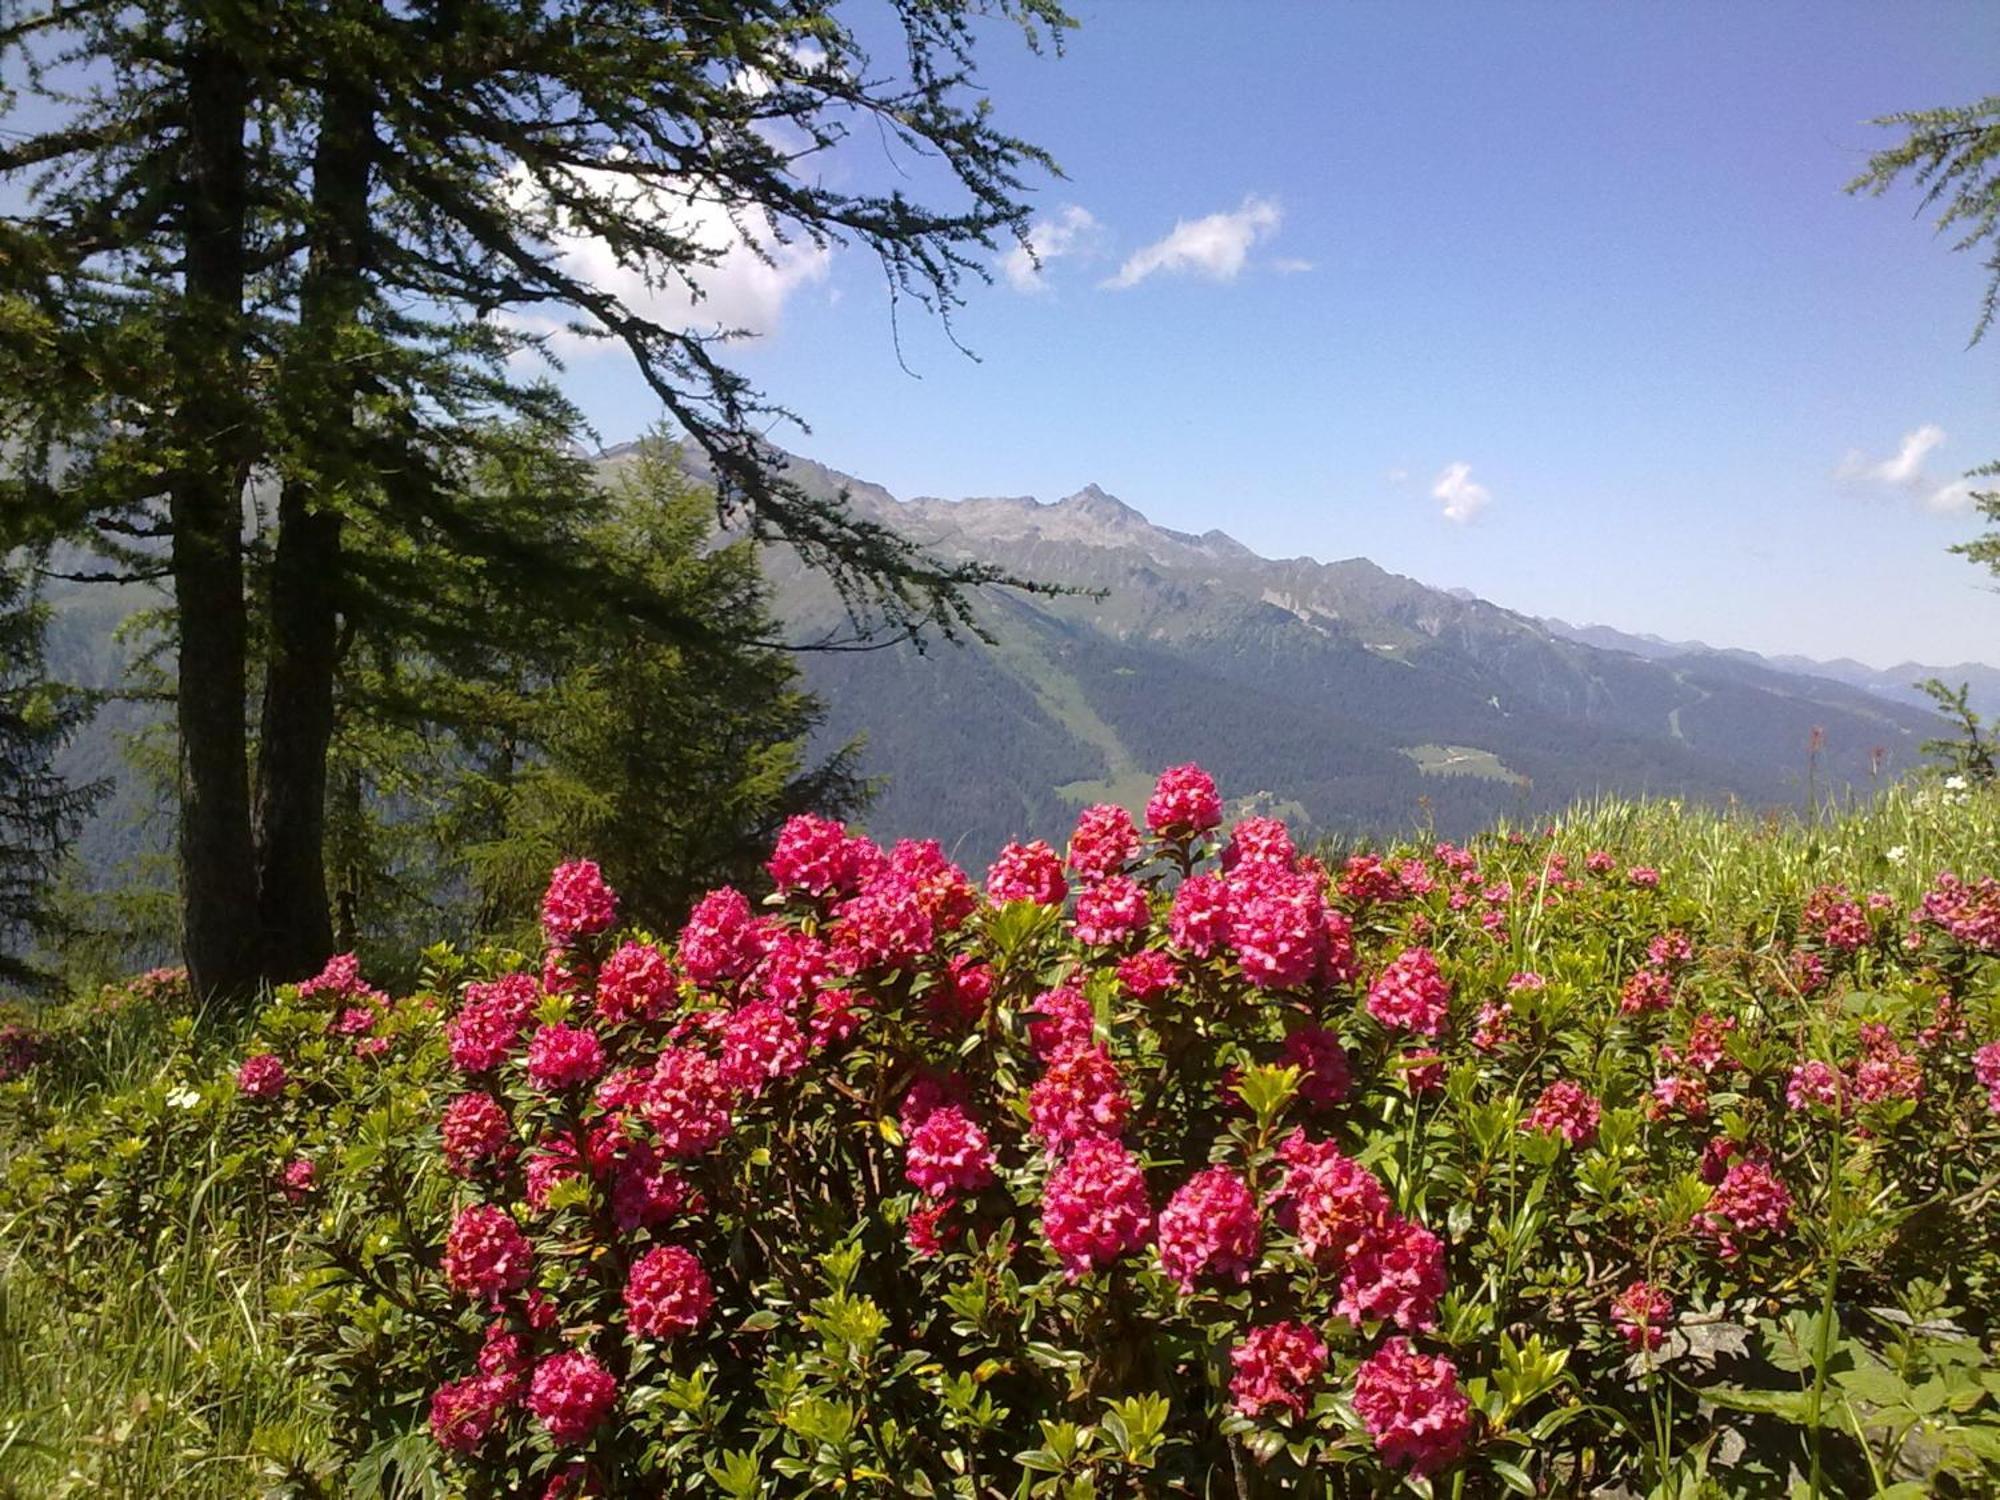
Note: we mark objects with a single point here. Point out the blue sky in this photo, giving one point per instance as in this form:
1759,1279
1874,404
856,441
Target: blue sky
1563,304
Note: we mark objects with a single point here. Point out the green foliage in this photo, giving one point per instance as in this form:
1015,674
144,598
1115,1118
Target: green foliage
838,1360
1953,155
486,732
39,811
1969,753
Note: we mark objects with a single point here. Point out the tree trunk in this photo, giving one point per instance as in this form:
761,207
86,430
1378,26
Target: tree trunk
211,430
298,712
296,728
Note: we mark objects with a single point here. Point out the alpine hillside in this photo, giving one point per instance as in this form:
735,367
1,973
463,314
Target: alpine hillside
1376,703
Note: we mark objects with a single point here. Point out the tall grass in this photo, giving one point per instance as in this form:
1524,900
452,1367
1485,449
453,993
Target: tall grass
169,1384
1735,863
146,1366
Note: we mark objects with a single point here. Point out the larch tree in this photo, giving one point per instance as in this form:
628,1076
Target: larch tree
1953,156
267,267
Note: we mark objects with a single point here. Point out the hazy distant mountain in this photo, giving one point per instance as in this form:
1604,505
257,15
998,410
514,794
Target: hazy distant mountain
1898,684
1357,699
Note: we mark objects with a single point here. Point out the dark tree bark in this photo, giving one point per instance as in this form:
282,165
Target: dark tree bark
298,710
296,728
211,423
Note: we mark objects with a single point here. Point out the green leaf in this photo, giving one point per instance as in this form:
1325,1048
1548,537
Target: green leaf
1791,1406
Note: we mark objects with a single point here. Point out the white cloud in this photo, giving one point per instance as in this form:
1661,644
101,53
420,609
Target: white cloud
1216,246
1955,496
1290,265
1398,476
1074,231
1459,494
1905,470
742,285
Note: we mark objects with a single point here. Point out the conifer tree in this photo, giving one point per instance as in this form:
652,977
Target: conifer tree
1953,155
305,243
672,763
39,811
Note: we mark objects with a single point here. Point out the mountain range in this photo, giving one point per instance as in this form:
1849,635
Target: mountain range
1352,698
1897,683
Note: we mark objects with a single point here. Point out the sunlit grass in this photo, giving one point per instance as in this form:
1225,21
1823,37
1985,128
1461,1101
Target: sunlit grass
162,1375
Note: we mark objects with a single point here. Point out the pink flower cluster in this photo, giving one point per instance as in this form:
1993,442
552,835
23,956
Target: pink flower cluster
686,1101
578,904
1184,803
1836,919
262,1076
1027,872
1210,1228
1410,994
1094,1208
1276,1364
1646,992
1068,1021
485,1253
300,1179
339,980
1111,911
562,1056
1280,928
818,857
1748,1203
1103,843
1969,911
487,1029
1644,1314
1148,974
1259,841
760,1042
948,1154
1884,1070
1986,1068
719,939
667,1293
476,1133
464,1413
1566,1109
571,1395
1081,1095
1366,880
635,983
1391,1268
1670,950
1413,1407
1814,1085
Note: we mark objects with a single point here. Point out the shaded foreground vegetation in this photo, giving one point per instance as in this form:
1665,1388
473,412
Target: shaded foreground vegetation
1705,1204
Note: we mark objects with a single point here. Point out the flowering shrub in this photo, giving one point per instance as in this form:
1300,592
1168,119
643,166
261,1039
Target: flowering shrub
1177,1164
20,1049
